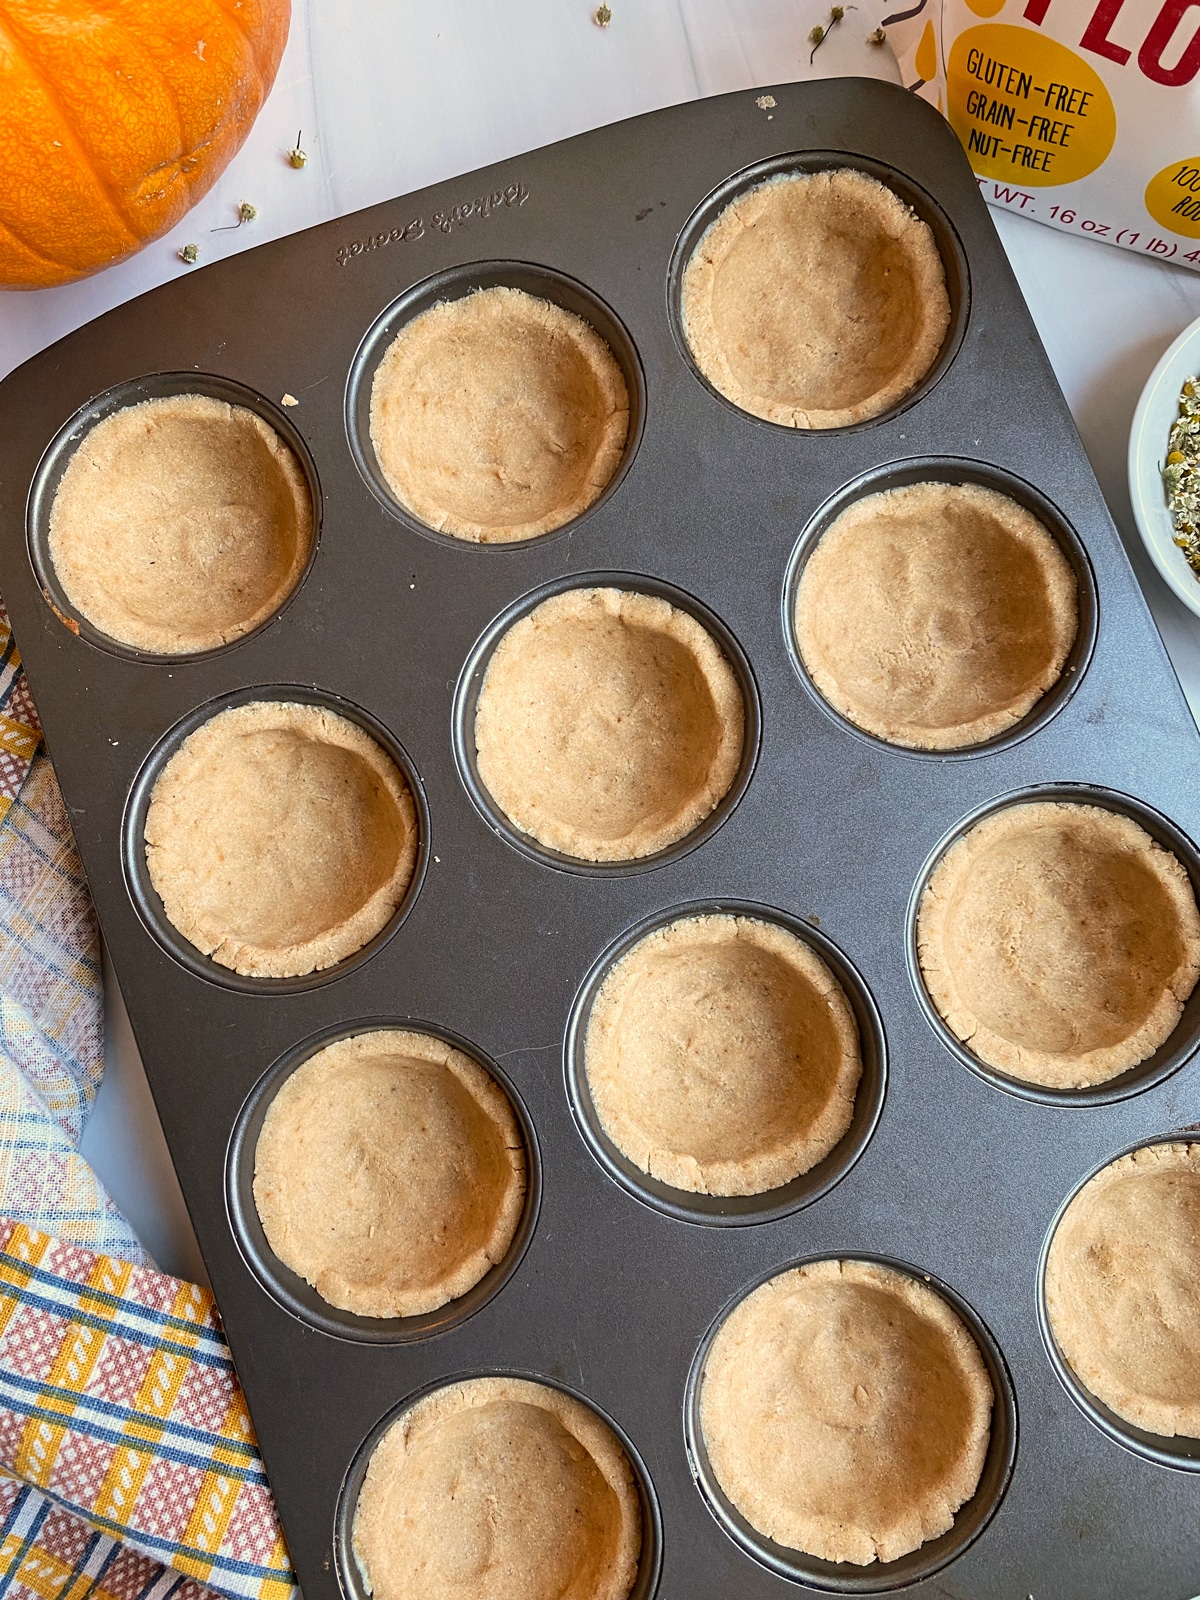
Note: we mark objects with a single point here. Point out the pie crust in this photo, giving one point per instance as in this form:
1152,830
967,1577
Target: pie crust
498,416
1059,942
390,1173
816,300
180,524
280,838
498,1489
937,615
609,724
722,1055
846,1411
1121,1288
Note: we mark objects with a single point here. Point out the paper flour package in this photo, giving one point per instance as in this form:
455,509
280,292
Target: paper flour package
1084,114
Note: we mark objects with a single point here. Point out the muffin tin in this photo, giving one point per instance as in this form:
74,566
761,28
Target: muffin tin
612,1290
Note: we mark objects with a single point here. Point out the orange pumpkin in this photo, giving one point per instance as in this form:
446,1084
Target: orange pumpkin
115,117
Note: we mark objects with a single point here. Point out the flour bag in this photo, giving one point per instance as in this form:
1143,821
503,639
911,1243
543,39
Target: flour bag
1084,114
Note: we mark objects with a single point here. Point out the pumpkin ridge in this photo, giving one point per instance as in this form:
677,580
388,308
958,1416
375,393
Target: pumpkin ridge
236,22
39,255
128,33
22,48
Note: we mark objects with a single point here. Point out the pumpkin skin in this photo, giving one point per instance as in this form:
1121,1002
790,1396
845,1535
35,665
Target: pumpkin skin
116,116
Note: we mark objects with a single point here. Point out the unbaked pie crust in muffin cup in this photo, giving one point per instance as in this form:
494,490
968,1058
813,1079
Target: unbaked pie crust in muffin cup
497,1486
181,523
498,416
609,724
390,1173
1120,1288
1058,942
816,299
280,838
935,615
722,1055
846,1411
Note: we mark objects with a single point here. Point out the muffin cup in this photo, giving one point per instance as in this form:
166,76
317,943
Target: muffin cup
730,1210
292,1292
349,1573
470,686
844,1577
1185,1036
454,284
57,457
1180,1453
954,264
951,470
137,873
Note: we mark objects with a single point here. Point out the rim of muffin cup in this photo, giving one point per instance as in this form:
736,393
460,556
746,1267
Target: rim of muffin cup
288,1288
955,471
846,1577
1180,1452
649,1570
730,1210
798,163
470,685
455,283
145,896
1174,1051
57,457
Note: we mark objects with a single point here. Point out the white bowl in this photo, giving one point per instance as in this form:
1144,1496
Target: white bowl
1157,409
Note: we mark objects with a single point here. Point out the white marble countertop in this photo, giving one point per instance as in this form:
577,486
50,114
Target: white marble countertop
391,97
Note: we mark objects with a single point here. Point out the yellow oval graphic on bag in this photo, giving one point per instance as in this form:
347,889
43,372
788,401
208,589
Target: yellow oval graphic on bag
1173,197
1027,110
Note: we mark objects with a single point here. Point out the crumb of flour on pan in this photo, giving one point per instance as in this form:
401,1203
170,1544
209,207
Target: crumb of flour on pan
765,102
1181,473
289,400
602,16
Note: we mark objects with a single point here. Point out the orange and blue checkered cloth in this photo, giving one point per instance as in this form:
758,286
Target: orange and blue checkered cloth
128,1465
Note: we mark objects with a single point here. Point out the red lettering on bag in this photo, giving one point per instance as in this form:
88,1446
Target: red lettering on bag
1035,12
1160,35
1096,38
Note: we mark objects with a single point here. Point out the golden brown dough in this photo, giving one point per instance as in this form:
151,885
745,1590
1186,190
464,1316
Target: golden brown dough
609,724
936,615
390,1173
1059,942
280,838
498,416
722,1055
816,300
846,1411
180,524
1123,1287
498,1489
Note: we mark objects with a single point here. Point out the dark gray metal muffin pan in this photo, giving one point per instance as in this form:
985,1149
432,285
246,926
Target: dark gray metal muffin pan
614,1295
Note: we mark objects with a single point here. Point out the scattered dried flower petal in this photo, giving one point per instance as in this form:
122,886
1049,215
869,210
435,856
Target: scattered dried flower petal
296,156
602,17
189,254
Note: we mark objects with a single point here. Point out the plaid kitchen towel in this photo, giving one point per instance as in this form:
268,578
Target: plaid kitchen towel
128,1466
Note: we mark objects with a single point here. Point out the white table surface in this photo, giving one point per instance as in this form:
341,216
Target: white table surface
391,97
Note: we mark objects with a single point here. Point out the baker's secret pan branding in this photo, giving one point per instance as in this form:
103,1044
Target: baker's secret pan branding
1084,114
514,194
